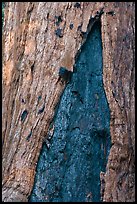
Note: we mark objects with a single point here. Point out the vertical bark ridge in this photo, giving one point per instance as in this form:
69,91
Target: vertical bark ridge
118,41
32,56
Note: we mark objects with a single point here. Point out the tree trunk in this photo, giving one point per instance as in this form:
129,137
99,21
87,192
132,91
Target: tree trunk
119,81
39,38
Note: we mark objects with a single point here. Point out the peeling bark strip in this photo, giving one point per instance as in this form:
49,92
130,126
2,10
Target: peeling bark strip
28,38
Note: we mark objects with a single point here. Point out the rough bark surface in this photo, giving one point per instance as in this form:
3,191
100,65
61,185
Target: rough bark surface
36,44
35,47
118,35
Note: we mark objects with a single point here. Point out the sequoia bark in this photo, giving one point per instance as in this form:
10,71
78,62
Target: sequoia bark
119,83
38,39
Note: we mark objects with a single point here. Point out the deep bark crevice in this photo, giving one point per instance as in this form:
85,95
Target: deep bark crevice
74,126
32,57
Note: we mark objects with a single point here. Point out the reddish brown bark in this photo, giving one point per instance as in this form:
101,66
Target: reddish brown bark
32,56
119,81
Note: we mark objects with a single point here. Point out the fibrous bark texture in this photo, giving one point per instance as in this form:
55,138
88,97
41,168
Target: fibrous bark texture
38,39
118,35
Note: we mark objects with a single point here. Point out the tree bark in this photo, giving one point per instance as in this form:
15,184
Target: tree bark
119,80
37,41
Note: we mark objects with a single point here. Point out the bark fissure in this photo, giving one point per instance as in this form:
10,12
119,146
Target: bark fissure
49,148
32,57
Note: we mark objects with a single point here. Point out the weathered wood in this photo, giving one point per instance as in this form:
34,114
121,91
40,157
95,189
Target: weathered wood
33,52
118,36
33,55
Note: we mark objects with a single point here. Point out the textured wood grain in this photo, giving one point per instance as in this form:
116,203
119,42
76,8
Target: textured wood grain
119,81
32,56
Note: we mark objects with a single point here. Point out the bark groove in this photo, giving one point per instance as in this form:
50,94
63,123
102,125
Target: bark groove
33,53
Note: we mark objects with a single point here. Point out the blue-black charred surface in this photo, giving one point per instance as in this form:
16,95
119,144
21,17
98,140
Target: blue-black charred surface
69,170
